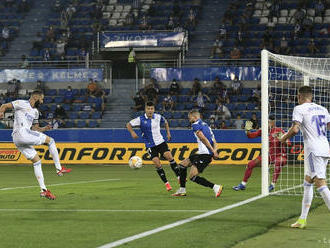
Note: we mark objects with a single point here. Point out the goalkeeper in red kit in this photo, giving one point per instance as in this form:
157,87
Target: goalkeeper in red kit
277,153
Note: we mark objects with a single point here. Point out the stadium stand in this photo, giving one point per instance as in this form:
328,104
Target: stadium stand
262,24
11,16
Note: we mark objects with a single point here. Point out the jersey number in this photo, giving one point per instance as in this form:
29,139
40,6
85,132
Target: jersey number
320,124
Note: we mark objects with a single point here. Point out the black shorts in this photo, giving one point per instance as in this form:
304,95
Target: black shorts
201,161
156,150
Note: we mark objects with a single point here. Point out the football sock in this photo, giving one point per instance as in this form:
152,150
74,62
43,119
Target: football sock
325,193
183,176
161,174
248,170
39,175
53,151
202,181
307,200
174,167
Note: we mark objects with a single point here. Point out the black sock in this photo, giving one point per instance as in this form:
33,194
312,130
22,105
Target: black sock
175,168
202,181
161,174
183,176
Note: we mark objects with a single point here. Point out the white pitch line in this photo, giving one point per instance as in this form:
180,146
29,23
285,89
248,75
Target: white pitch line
60,184
178,223
102,210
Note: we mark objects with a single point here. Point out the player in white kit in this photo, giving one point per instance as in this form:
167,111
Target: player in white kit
27,133
313,120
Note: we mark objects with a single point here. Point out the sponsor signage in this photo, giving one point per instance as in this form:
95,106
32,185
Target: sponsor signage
119,153
51,75
141,39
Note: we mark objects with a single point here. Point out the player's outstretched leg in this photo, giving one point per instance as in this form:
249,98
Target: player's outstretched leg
279,163
204,182
53,151
40,177
247,174
161,173
324,191
173,164
182,178
306,204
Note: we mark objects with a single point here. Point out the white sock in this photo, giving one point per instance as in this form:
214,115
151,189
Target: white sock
53,151
182,189
39,175
307,200
325,193
243,183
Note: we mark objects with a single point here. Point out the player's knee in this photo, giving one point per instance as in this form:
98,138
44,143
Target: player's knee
251,164
193,178
319,182
51,141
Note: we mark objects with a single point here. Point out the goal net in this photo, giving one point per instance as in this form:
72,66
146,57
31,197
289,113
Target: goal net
281,78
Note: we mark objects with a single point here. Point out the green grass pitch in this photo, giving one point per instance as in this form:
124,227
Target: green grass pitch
90,214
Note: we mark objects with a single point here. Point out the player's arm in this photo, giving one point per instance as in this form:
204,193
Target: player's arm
167,128
4,108
248,127
132,132
294,129
206,142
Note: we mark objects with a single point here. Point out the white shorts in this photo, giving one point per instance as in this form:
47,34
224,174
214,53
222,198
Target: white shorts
25,139
316,166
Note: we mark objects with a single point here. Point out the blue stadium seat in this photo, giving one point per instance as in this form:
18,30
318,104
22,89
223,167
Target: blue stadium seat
177,115
96,115
184,123
180,107
61,92
58,99
81,123
52,107
174,123
250,106
167,115
73,115
43,107
67,107
76,107
241,106
48,99
69,124
84,115
92,124
51,92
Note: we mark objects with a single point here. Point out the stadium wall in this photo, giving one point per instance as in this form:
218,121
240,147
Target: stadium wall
115,146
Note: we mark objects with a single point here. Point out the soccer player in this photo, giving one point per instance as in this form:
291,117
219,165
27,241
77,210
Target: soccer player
277,153
207,149
312,119
154,141
27,133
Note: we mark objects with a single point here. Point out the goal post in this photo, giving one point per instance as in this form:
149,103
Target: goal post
281,77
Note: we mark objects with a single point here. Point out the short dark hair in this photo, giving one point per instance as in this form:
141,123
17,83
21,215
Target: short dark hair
150,104
305,90
194,111
37,92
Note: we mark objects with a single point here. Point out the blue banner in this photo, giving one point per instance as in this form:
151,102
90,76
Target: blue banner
249,73
206,74
141,39
51,75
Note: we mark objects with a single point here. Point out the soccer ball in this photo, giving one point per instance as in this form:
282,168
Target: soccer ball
135,162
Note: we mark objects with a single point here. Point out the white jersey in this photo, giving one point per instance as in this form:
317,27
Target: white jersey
314,119
25,115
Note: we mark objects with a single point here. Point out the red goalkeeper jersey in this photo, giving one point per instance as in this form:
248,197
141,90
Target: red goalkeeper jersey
276,148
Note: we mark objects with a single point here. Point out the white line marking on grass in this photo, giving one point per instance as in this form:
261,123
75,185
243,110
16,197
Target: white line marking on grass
60,184
102,210
179,223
